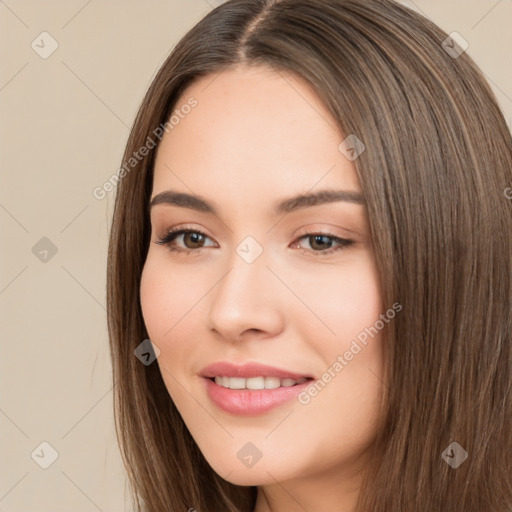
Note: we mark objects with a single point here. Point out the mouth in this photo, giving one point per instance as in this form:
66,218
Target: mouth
252,388
251,402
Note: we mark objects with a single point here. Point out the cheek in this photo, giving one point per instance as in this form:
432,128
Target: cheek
164,304
166,296
171,308
347,333
357,297
154,300
346,300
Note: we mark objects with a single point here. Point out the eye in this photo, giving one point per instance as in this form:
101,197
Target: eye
320,240
191,237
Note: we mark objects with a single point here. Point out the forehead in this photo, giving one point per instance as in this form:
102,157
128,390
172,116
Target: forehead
252,129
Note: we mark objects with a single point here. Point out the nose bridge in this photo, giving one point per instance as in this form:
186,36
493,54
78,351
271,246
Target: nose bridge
245,297
248,263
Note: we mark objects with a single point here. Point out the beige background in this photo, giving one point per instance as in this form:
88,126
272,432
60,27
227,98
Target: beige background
64,121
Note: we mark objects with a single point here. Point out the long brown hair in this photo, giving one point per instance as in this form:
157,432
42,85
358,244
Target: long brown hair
438,160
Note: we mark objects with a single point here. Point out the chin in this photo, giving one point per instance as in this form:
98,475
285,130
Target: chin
234,471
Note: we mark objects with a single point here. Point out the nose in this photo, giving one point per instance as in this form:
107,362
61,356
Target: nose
247,301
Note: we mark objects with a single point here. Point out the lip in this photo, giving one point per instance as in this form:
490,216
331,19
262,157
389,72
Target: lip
246,402
227,369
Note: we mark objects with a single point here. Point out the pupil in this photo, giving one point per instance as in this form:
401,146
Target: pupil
318,238
196,237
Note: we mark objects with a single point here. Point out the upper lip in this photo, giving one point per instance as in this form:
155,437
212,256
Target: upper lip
253,369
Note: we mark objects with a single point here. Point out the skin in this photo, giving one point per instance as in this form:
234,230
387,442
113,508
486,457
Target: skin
256,137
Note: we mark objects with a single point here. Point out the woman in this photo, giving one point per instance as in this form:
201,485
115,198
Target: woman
315,237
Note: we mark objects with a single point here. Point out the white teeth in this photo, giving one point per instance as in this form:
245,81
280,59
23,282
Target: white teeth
236,382
256,382
272,382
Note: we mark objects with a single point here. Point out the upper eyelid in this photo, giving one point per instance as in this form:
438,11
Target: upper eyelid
184,229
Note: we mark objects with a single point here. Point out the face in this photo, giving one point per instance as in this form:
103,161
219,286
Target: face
293,288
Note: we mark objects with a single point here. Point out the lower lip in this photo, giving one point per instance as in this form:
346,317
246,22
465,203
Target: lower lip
248,402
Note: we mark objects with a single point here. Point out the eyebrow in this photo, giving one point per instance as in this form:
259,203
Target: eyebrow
291,204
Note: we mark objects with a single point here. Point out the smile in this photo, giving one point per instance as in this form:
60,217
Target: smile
244,401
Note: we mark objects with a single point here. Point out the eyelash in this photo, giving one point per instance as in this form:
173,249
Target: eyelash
173,233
